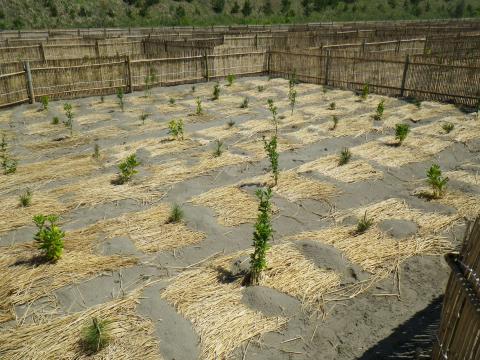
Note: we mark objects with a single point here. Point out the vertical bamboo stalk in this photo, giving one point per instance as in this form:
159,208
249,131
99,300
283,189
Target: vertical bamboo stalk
42,51
327,67
129,74
269,61
97,49
28,77
207,76
404,76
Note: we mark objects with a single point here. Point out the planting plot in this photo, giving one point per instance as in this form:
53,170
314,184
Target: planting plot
159,203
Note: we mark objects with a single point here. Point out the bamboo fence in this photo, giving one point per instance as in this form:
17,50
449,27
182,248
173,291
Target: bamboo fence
459,332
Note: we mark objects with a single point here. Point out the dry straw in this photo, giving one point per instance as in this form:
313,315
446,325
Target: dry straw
257,148
26,278
464,176
353,171
232,205
131,336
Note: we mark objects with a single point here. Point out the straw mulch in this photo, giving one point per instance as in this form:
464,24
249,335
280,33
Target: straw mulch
393,208
26,278
464,129
414,149
266,126
353,171
5,116
256,147
13,216
93,118
42,172
100,190
232,205
294,187
219,132
464,176
131,336
41,128
374,251
148,229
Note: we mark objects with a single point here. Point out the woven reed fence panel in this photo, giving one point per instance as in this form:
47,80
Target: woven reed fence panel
10,54
69,51
13,88
237,64
121,48
308,68
459,332
167,71
79,80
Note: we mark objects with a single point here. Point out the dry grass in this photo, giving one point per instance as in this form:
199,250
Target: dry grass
464,176
219,132
465,129
353,171
26,278
309,134
374,251
92,119
13,216
232,205
257,150
393,208
131,336
414,149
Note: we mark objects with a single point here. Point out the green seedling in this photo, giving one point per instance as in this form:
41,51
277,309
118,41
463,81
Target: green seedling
230,79
292,97
55,120
216,92
262,235
127,169
175,129
49,236
260,88
230,123
150,80
244,103
380,109
272,153
436,181
120,95
335,122
67,107
363,224
96,335
171,101
332,106
144,117
218,148
26,198
44,100
345,156
96,152
274,111
199,110
365,91
9,165
176,214
401,132
448,127
193,88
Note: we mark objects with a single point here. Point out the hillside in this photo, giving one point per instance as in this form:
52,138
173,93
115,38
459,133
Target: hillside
16,14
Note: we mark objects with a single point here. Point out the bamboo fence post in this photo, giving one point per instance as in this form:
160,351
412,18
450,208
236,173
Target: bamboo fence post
269,60
205,56
28,77
327,67
42,52
404,76
129,74
97,49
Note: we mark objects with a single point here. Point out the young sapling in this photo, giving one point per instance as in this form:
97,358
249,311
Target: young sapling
8,164
143,117
176,214
332,106
380,109
448,127
365,91
401,132
120,95
218,148
216,92
55,120
230,79
363,224
273,109
127,169
199,110
244,103
67,107
49,236
260,88
44,100
175,128
335,122
26,198
436,181
230,123
171,101
272,153
95,336
345,156
96,152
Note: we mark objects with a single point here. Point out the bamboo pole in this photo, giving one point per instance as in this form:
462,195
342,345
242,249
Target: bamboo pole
28,77
404,76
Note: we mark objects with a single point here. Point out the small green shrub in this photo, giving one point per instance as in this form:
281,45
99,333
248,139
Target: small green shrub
176,214
244,103
44,100
150,80
345,156
144,117
363,224
448,127
230,79
335,122
365,91
67,107
120,95
9,165
102,99
216,92
96,152
199,110
272,153
230,123
96,335
127,169
401,132
55,120
292,97
175,129
171,101
274,111
380,109
49,236
262,236
260,88
417,103
26,198
193,88
436,181
218,148
332,106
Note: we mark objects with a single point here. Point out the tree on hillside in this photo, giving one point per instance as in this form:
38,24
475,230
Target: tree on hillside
218,5
247,8
267,7
235,8
286,4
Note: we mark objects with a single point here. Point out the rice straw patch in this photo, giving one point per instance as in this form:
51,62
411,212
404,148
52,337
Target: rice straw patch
13,216
256,147
43,128
24,280
131,336
464,176
414,149
48,170
218,132
149,230
465,129
353,171
374,251
393,208
216,311
5,116
92,118
232,205
309,134
36,112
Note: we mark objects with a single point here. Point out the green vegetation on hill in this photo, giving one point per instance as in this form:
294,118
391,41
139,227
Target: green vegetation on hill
18,14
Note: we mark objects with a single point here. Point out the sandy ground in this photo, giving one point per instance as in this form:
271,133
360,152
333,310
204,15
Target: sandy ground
395,316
